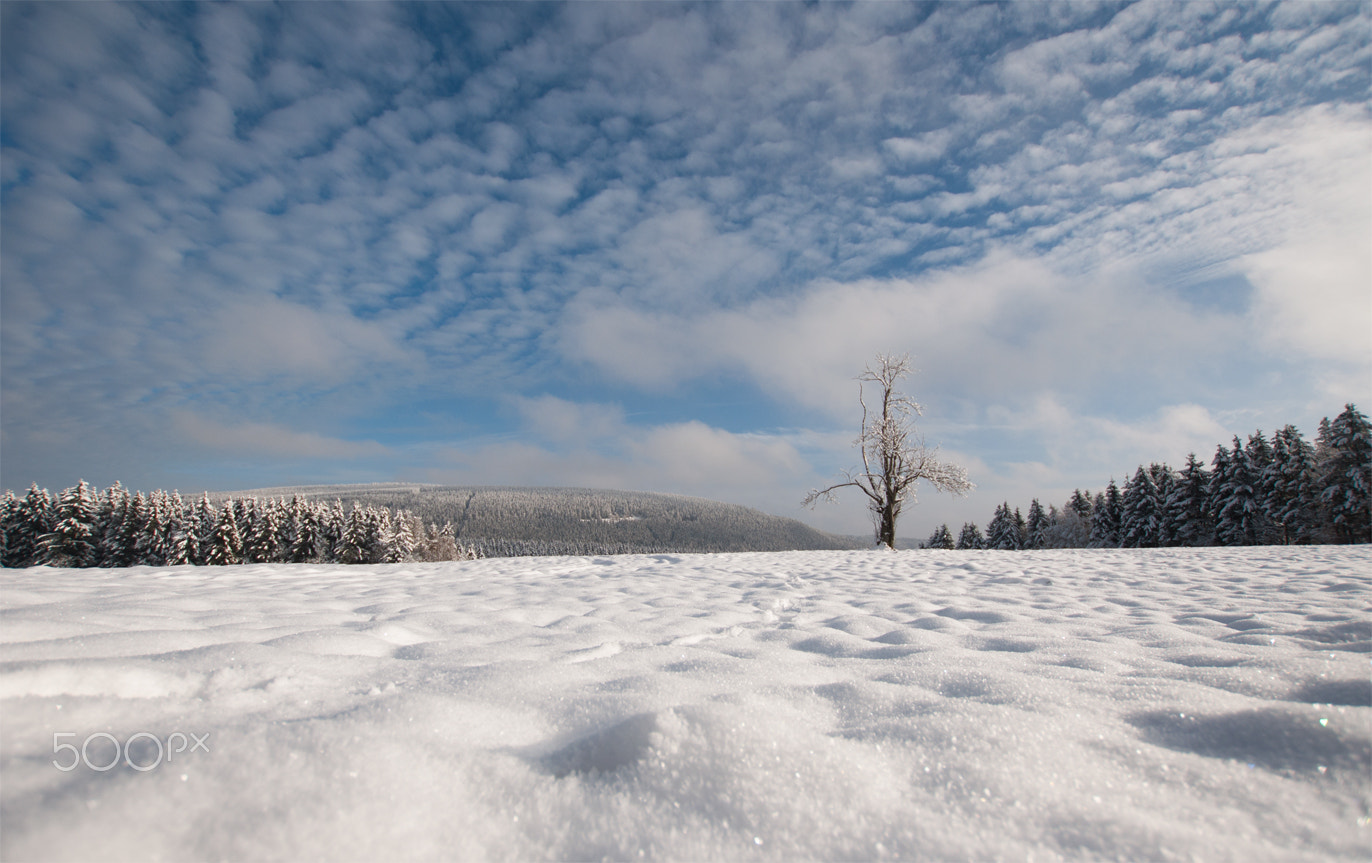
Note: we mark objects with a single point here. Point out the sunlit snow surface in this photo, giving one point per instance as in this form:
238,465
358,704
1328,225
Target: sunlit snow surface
1179,704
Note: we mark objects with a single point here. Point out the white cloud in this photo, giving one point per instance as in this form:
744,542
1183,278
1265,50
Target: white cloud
679,259
1314,281
560,421
856,167
264,440
928,147
1006,325
1316,297
1084,444
263,337
694,456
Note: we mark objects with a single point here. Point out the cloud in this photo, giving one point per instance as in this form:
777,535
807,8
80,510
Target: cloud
1314,282
1315,297
694,455
560,421
928,147
251,339
1004,326
264,440
1077,442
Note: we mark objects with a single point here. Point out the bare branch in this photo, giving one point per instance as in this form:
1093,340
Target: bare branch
858,481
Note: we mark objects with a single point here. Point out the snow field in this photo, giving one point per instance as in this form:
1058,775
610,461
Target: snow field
1211,704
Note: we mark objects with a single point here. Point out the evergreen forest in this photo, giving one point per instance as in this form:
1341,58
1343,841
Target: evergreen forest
1256,492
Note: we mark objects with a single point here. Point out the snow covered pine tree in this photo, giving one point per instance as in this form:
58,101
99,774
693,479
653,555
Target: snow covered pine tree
1347,447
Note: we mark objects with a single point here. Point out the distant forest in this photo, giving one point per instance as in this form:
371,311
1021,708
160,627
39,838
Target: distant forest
84,526
1259,492
507,522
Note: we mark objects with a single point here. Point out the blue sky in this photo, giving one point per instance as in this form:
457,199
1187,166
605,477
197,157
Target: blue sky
650,246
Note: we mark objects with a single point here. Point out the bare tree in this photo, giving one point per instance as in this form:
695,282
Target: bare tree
894,456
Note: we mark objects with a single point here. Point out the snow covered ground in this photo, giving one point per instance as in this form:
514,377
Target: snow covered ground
1211,704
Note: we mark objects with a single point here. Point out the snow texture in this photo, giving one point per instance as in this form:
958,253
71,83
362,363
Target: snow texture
1210,704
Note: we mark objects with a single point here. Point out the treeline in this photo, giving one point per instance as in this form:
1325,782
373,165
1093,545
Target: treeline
84,526
87,527
510,521
1259,492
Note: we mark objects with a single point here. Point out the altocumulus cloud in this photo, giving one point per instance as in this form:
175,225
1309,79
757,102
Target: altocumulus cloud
650,246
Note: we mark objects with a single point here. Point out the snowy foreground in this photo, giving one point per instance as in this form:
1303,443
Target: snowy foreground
1211,704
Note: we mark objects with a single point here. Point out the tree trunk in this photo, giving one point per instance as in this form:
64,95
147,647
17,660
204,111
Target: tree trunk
887,527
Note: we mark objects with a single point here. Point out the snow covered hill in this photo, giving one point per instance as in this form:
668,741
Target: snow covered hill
506,521
1210,704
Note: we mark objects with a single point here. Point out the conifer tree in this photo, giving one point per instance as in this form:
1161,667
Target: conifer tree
354,546
941,538
1292,482
114,507
1164,480
379,534
203,522
34,521
1106,517
73,540
1347,476
259,544
333,526
1001,532
126,543
1259,451
9,512
1323,436
148,539
970,537
1260,455
1216,492
244,514
1139,512
1186,507
1037,526
286,527
16,553
305,531
1080,503
1239,520
226,546
180,537
403,540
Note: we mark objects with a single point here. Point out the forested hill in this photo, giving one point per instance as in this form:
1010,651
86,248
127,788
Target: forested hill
505,522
